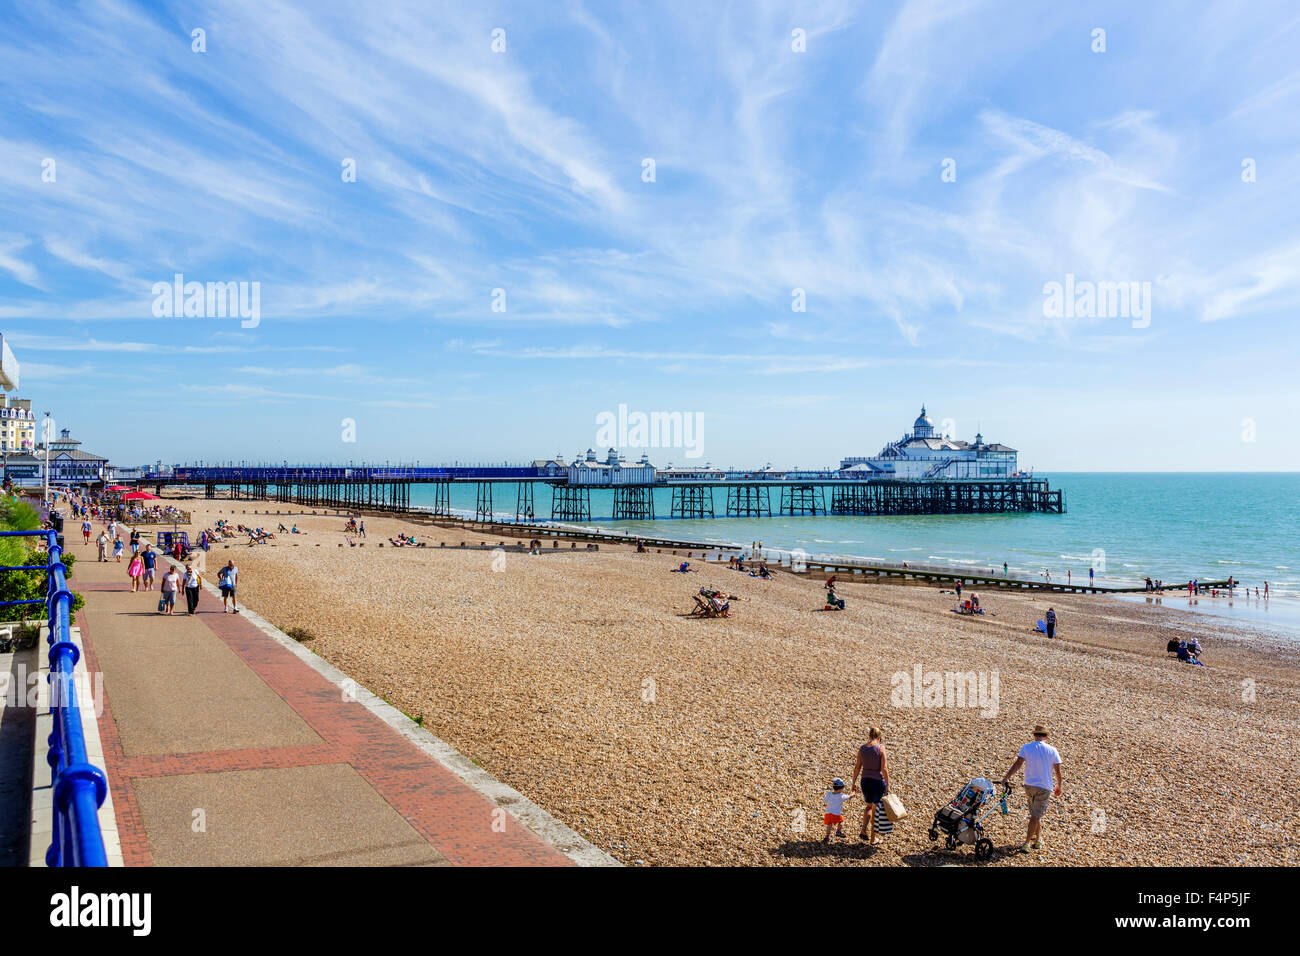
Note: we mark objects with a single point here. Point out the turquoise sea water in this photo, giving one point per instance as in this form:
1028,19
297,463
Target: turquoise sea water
1169,526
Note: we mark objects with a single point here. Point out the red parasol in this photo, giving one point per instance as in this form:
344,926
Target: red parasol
139,496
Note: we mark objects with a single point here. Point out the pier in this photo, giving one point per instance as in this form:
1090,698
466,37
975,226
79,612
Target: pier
386,488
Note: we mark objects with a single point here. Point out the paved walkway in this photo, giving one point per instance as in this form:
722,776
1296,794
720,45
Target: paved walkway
227,744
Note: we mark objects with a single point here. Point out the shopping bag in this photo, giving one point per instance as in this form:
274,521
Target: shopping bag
894,808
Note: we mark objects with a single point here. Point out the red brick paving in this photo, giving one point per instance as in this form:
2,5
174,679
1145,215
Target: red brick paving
456,819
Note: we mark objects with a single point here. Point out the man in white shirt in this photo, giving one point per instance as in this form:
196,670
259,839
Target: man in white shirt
1042,763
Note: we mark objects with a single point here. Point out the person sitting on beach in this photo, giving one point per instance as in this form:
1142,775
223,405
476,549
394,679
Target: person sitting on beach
833,603
683,568
1185,654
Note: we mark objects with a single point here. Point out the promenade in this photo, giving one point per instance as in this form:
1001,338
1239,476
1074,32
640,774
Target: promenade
227,744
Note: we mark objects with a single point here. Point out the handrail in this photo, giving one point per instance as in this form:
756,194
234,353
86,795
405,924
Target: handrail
79,787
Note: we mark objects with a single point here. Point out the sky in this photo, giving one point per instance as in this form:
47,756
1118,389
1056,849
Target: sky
794,222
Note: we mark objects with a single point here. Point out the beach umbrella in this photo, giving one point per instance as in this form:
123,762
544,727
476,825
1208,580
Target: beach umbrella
117,488
139,496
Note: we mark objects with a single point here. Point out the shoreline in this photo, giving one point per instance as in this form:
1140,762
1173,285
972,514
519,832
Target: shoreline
1284,624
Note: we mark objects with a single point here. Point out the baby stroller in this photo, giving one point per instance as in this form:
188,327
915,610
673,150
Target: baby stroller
960,820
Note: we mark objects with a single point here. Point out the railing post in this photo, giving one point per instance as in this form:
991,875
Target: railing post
79,788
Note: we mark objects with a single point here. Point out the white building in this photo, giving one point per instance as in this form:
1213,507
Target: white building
926,454
17,425
551,467
69,465
586,470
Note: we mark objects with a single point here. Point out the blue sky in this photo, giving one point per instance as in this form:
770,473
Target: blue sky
775,170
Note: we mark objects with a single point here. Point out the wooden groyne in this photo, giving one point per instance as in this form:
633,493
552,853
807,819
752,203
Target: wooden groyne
792,562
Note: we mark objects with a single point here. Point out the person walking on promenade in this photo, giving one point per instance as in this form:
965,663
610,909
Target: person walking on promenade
135,542
873,767
85,531
192,585
226,579
135,570
1042,763
102,542
171,583
1050,620
117,549
147,559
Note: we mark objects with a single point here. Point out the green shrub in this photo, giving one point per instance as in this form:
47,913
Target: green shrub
16,515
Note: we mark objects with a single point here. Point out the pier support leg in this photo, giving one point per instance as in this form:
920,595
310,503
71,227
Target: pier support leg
483,505
524,503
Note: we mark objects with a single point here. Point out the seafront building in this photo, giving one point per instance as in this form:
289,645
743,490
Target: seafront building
68,463
614,470
924,453
17,424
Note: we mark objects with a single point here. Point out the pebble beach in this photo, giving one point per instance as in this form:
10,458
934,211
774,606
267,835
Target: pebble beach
577,677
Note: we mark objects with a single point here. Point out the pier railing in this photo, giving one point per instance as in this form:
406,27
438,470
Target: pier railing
79,787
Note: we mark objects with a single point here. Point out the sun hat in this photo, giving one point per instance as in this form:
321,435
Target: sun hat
1040,730
837,783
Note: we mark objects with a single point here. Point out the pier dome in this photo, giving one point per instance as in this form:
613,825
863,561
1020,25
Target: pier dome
923,427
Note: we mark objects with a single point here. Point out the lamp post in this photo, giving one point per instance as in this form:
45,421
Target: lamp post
47,457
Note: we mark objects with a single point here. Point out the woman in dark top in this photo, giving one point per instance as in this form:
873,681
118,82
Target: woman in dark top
873,767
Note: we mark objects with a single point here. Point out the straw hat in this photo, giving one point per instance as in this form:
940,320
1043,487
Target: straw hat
1040,730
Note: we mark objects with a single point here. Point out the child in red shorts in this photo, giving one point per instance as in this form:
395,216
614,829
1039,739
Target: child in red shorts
834,802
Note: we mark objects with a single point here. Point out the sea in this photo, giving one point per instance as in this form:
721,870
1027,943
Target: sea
1125,526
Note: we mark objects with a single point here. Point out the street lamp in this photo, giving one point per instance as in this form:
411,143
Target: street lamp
47,457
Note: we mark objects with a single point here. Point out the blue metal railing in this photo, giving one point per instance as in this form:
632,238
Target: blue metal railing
79,787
